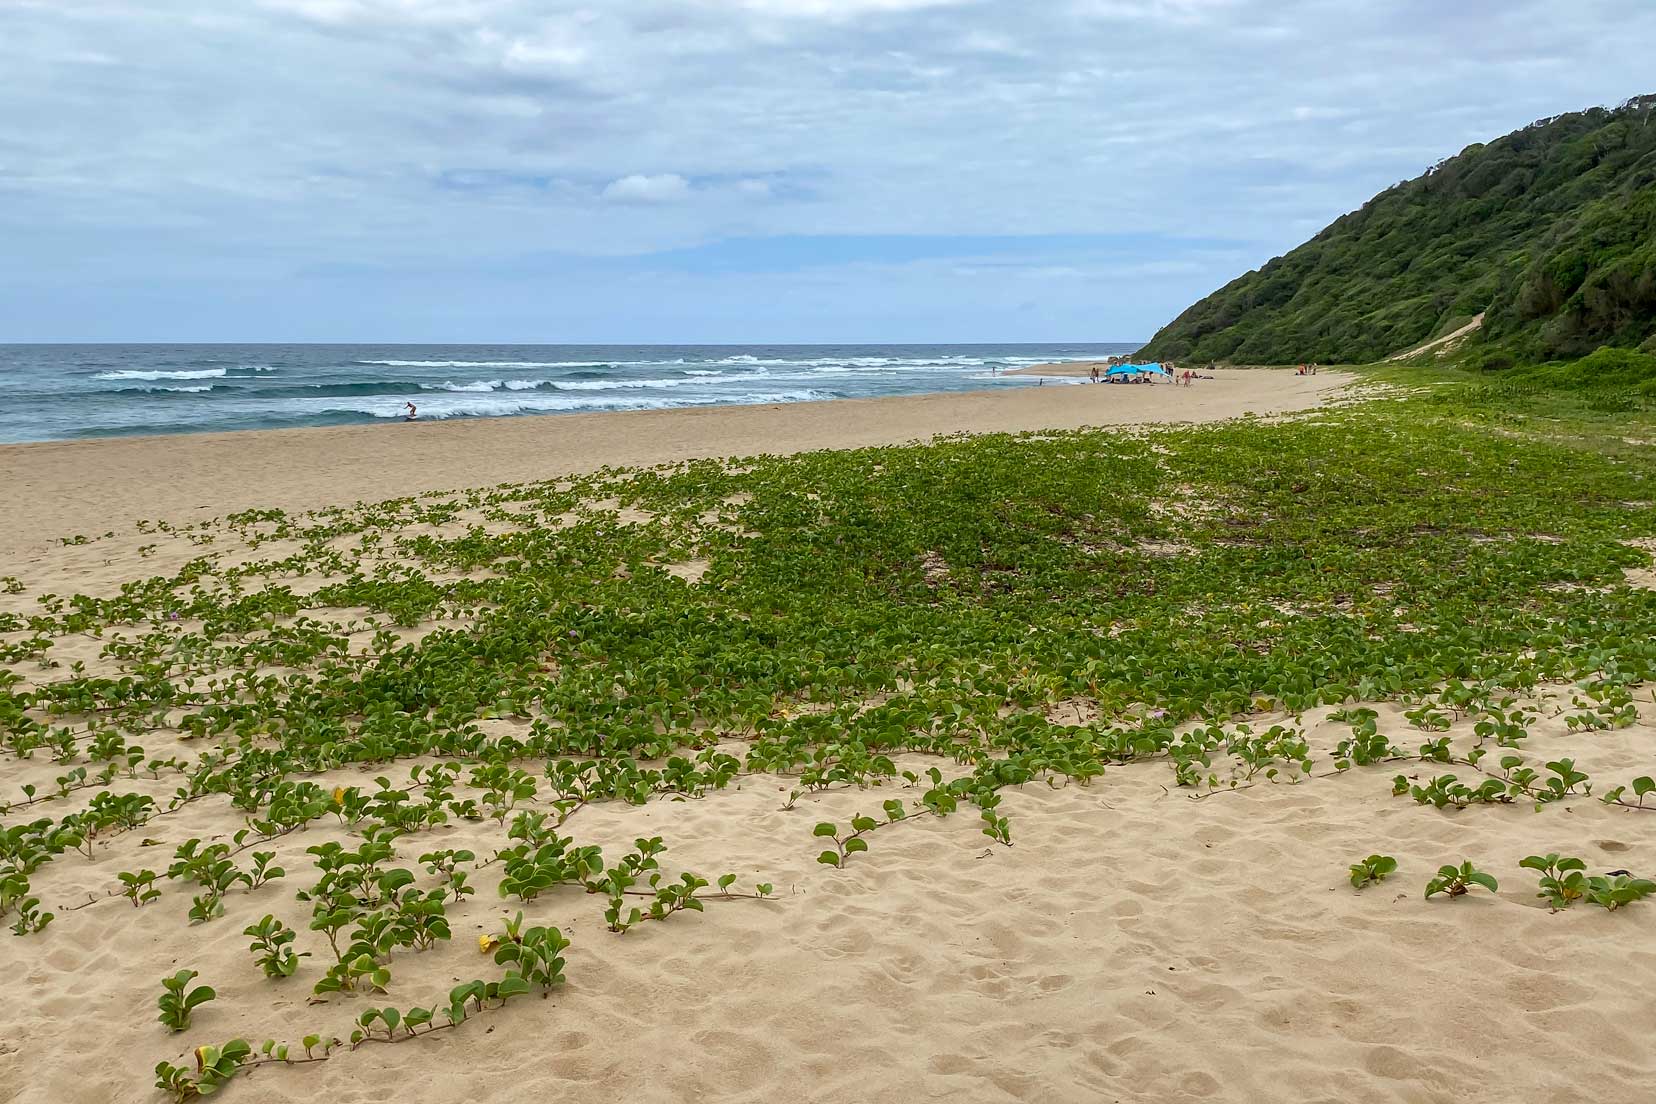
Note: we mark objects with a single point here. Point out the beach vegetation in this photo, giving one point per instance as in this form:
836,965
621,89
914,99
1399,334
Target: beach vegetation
1563,878
1456,881
272,948
1375,868
410,712
178,1000
1613,891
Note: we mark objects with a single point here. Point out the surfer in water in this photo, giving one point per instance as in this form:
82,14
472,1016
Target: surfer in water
412,412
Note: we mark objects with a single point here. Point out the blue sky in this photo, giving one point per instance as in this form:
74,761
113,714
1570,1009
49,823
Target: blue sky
727,170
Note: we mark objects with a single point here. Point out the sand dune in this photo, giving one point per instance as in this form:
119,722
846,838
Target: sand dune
1135,943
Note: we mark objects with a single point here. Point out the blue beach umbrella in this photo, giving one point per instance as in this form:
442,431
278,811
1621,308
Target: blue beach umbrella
1136,369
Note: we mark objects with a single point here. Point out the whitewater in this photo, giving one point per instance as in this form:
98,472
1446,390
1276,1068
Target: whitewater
58,392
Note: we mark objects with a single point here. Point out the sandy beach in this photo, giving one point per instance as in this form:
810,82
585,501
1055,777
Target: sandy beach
1136,943
827,552
60,489
1133,945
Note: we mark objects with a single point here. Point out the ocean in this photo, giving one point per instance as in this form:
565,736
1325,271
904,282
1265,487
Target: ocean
58,392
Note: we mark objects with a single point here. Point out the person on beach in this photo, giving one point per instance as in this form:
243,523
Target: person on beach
1095,373
413,412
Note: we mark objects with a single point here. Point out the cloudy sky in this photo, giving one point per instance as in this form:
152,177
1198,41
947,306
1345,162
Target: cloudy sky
727,170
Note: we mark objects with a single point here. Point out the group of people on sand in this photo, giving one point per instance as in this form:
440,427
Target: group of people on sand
1306,370
1148,375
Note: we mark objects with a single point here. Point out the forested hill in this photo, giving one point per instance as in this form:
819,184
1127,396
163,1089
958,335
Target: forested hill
1550,230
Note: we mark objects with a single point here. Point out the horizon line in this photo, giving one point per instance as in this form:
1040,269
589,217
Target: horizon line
554,344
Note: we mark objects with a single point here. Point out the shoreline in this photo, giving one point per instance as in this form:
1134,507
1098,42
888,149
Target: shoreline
63,488
1077,368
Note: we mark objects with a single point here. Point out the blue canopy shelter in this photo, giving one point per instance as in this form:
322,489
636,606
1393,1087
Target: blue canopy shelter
1137,369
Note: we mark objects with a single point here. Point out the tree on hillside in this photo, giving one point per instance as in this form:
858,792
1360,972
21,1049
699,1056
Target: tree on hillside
1549,231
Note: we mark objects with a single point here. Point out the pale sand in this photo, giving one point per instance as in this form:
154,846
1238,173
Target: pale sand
1133,945
1443,344
60,489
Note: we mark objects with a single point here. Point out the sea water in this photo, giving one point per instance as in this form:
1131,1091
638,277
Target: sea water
54,392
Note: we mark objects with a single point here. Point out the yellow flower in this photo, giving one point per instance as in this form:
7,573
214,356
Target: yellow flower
487,943
339,795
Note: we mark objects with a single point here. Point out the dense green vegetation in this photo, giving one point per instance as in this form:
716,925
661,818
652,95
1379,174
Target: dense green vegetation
1609,381
1550,232
1617,375
859,611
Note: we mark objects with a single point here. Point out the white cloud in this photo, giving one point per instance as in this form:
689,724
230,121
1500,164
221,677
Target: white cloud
550,52
341,12
287,133
1169,11
834,9
640,188
1306,114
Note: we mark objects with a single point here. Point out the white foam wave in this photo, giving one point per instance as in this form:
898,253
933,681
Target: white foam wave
524,363
852,363
687,380
474,385
1016,360
152,375
941,362
661,382
489,363
477,406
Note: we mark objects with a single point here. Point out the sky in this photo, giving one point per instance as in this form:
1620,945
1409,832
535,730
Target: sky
741,171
